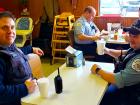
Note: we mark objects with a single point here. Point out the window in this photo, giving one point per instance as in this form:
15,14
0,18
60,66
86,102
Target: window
125,8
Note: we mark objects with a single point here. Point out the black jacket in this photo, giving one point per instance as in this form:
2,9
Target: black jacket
13,75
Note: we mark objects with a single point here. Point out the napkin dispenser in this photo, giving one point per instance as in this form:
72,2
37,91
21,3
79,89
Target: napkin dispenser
74,60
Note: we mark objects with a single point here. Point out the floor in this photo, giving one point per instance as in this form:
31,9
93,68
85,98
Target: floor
48,68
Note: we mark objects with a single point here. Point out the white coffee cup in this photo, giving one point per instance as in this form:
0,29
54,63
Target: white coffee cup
43,84
100,47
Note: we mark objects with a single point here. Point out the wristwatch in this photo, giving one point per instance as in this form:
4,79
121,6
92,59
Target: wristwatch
97,70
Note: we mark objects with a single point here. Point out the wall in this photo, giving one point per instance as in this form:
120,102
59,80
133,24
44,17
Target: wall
36,11
11,5
66,5
102,21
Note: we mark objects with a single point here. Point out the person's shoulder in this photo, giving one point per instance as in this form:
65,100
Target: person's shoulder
136,57
81,19
135,64
79,22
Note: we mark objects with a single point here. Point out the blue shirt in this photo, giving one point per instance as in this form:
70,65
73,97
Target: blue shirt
130,75
82,26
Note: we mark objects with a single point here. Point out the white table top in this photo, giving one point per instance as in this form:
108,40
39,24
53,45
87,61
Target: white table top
120,40
80,87
117,41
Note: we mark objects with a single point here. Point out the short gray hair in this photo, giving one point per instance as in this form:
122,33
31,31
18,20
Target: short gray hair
90,9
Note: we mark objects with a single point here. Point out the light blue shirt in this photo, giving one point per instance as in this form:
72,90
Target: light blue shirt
82,26
130,75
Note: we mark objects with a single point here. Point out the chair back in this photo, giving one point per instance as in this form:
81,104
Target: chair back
24,23
77,46
36,66
71,37
24,28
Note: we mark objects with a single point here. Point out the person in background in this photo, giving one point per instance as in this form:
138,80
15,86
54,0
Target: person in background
125,82
16,79
86,32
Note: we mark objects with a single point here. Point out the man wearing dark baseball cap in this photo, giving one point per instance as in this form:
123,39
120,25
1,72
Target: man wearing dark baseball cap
125,83
134,29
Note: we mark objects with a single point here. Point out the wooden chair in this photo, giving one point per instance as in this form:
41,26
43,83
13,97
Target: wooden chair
35,64
74,45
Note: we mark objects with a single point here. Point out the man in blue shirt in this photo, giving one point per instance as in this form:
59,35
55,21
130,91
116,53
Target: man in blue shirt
16,79
125,83
86,32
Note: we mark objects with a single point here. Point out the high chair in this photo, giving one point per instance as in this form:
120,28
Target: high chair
24,28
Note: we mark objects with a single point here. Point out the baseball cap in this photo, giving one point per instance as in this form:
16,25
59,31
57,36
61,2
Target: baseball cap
134,29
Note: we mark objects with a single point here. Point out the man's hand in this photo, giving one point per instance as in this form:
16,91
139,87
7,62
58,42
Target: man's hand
106,50
96,37
126,37
104,33
31,85
94,67
38,51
